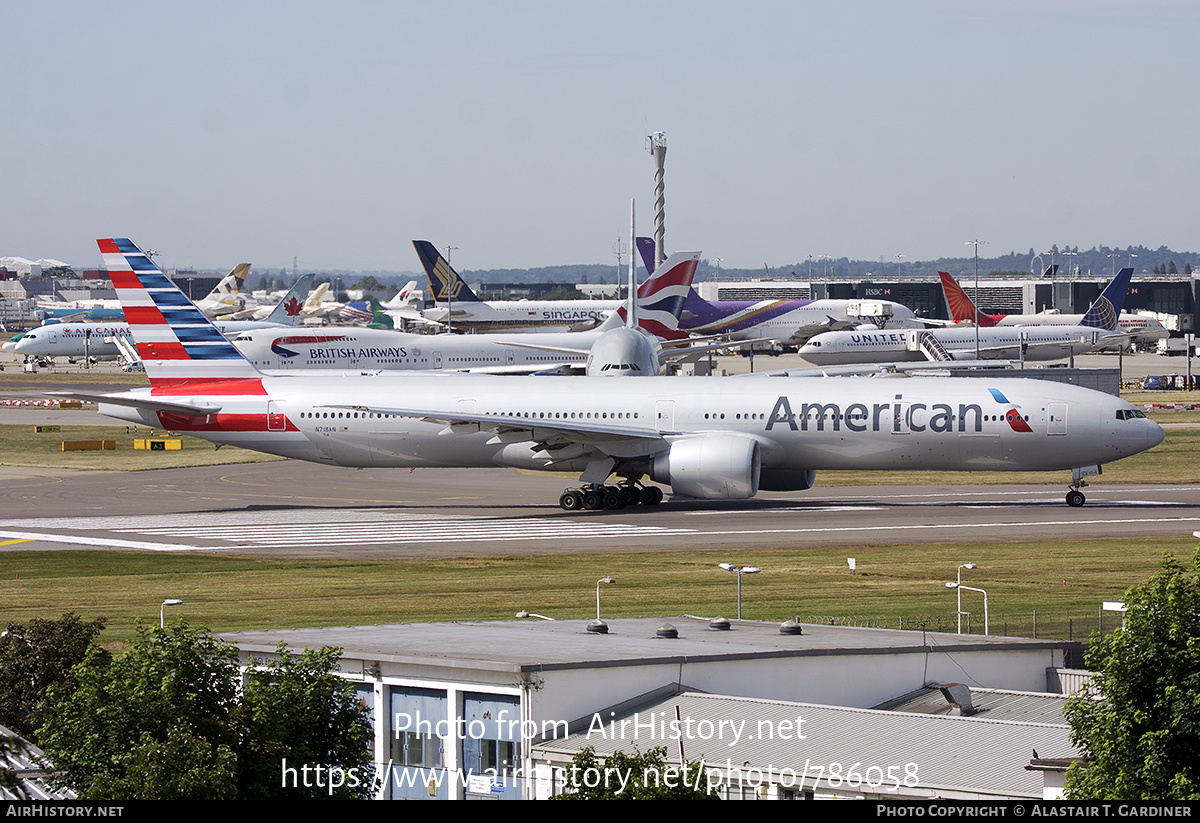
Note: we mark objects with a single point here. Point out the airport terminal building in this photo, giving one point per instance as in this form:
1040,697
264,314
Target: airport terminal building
497,710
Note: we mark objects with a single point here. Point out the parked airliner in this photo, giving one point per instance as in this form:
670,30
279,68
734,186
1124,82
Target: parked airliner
714,438
359,349
786,322
1138,327
956,343
99,340
460,308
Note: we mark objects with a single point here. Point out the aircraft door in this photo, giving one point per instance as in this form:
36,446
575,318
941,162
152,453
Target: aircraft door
509,357
1056,418
437,359
664,415
276,420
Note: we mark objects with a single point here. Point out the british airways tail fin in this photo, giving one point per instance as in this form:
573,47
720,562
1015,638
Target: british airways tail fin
443,280
1104,312
962,308
661,298
176,342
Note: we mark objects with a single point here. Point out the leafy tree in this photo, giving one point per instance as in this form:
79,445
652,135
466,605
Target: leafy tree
35,657
296,708
369,283
639,776
170,680
167,720
1138,720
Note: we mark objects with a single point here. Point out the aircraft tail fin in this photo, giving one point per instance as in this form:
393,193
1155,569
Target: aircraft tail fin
290,310
443,280
661,297
175,341
645,247
380,319
1104,312
962,308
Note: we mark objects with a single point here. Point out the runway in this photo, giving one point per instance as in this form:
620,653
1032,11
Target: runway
298,510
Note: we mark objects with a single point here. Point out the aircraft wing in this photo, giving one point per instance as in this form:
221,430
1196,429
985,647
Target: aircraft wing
599,443
140,401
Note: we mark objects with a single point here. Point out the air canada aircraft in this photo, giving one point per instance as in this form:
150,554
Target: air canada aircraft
711,438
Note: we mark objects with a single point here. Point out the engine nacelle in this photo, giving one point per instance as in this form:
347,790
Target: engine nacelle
787,480
718,467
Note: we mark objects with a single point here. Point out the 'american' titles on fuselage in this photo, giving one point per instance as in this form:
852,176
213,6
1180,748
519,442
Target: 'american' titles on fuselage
705,437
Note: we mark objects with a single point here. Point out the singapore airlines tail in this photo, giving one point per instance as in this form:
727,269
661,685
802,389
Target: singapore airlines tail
443,280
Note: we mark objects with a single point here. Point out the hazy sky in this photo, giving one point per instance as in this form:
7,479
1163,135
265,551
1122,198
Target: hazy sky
516,131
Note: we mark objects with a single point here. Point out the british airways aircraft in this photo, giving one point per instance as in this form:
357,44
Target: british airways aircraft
608,350
712,438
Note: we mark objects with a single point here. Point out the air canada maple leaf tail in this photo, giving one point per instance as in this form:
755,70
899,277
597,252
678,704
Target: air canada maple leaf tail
176,342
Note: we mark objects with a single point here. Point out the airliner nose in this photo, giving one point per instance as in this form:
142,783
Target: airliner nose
1154,435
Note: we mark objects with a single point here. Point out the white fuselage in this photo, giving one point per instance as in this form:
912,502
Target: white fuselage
1043,343
717,429
350,349
1138,327
523,315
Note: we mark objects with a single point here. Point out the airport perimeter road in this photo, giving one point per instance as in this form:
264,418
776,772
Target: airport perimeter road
299,510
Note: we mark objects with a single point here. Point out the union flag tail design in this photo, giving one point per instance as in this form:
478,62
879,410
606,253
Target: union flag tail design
178,345
661,297
961,306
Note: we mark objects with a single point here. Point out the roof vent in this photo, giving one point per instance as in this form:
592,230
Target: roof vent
791,626
719,623
668,631
597,627
959,696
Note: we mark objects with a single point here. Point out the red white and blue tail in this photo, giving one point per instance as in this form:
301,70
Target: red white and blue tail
176,342
661,297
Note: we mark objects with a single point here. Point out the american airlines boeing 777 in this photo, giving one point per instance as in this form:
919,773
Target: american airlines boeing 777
714,438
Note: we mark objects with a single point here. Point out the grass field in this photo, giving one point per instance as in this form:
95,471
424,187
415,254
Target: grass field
1063,582
1059,580
22,446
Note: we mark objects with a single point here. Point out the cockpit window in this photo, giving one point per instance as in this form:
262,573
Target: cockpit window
1129,414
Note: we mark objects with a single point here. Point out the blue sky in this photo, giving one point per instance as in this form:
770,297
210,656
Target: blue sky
516,131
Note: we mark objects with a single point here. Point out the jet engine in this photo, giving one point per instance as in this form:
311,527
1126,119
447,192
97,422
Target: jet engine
717,467
787,480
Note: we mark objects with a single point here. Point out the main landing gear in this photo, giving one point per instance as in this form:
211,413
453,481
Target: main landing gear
1075,497
595,497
